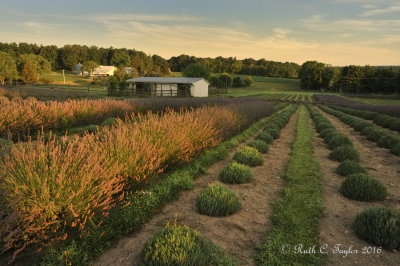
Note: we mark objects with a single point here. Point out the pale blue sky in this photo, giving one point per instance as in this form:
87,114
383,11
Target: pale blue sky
337,32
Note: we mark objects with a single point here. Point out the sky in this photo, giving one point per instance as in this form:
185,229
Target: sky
335,32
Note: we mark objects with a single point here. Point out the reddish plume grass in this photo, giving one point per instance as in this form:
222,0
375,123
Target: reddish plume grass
53,188
21,118
50,189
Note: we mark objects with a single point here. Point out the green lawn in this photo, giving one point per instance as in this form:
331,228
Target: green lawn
70,78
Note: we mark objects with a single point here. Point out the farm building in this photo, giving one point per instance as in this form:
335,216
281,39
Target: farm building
104,71
78,69
169,86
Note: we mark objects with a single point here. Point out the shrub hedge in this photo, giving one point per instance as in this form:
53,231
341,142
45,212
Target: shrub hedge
343,153
260,145
349,167
273,132
383,137
217,200
338,140
248,156
396,149
363,188
379,226
181,246
265,137
236,173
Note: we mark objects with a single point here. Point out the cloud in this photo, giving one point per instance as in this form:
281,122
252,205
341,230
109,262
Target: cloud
281,33
381,11
346,26
38,27
201,39
143,17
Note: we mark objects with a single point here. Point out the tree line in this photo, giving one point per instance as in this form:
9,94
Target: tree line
350,79
27,61
15,57
231,65
39,59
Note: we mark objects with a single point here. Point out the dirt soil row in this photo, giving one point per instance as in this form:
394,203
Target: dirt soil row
238,234
340,211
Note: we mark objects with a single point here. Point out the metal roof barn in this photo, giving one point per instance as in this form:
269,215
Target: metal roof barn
169,86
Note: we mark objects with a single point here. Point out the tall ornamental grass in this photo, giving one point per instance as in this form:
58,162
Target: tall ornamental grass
19,119
51,189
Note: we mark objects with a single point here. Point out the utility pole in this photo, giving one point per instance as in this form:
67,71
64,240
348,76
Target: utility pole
63,76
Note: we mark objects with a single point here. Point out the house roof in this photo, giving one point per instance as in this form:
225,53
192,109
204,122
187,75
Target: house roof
165,80
103,69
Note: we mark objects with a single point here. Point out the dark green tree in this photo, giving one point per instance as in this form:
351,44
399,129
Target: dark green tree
225,80
120,57
237,82
350,78
50,53
197,70
311,74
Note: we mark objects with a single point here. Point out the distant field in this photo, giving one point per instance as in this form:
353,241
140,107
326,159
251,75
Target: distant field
377,101
266,86
70,78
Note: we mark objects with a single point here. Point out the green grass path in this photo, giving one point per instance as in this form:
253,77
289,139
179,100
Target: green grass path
297,213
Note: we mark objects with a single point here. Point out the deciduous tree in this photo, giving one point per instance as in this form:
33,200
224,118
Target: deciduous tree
89,66
197,70
8,68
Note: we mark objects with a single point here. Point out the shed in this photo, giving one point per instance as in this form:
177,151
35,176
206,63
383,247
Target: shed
169,86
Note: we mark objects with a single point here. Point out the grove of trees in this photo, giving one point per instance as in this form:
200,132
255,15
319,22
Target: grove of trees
350,79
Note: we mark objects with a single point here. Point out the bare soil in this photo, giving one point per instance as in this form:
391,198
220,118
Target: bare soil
238,234
340,211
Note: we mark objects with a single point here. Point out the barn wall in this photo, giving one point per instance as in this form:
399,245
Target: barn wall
166,90
199,89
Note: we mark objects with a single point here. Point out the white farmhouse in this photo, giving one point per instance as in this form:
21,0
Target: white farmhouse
104,71
169,86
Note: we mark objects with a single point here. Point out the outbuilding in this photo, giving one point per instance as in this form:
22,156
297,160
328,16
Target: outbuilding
169,86
104,71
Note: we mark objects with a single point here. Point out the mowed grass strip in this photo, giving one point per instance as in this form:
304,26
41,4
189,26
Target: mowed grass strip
293,239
